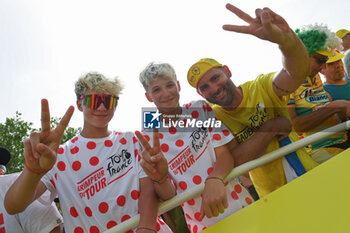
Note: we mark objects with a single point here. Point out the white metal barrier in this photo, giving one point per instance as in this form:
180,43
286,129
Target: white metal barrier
237,171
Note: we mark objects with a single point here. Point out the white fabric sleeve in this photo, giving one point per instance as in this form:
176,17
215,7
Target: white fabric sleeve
40,216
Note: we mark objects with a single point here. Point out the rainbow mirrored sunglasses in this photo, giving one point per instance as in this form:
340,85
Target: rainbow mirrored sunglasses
93,101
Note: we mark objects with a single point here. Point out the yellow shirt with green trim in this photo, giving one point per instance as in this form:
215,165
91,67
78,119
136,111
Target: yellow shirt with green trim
260,103
308,98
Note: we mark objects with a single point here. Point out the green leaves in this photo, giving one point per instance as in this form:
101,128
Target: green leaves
13,132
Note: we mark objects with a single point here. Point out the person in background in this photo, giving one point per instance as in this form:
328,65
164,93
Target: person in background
41,216
344,35
310,107
335,83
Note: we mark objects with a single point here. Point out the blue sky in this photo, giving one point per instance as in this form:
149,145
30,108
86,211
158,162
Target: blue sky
46,45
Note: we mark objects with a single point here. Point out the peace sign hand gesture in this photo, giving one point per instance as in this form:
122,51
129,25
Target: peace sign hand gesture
41,147
153,161
267,25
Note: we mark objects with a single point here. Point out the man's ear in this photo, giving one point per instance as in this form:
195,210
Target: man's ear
227,71
79,105
148,97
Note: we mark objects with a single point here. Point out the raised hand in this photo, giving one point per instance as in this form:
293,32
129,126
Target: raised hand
153,161
267,25
41,148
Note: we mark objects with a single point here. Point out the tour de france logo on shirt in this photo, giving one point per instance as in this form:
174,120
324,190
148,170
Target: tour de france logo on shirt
118,162
255,120
189,156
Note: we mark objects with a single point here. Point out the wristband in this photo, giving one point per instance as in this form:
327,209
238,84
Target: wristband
146,228
32,171
214,177
161,180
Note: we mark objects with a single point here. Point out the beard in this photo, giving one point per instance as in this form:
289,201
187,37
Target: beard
229,89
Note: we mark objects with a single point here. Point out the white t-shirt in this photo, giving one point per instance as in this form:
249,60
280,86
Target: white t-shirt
41,216
97,181
190,155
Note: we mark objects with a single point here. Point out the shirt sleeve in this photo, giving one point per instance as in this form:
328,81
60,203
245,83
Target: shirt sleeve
40,216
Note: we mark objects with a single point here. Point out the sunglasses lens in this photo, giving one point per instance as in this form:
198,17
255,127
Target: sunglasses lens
93,101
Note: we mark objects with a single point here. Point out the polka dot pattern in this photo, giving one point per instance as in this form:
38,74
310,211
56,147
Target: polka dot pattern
191,202
121,200
226,132
135,194
91,145
198,216
197,180
238,188
60,151
164,147
217,137
125,217
108,143
183,185
123,141
111,224
73,212
78,230
103,207
94,161
74,150
172,130
88,211
195,114
94,229
61,166
76,165
179,143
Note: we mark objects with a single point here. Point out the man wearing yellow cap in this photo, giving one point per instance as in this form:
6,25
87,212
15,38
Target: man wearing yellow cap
245,109
345,36
335,84
310,107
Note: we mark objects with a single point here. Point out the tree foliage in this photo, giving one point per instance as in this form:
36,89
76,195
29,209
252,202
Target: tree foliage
13,132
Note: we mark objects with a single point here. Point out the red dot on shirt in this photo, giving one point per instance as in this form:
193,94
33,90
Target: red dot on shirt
60,151
217,137
172,130
179,143
210,170
53,183
183,185
248,200
88,211
103,207
94,229
121,200
191,202
238,188
73,212
123,141
195,229
226,132
188,216
234,195
91,145
134,140
136,152
195,114
197,179
61,166
111,224
108,143
164,147
125,217
139,158
210,129
209,109
147,137
198,216
161,136
76,165
78,230
188,105
204,108
135,194
56,176
94,161
158,226
74,150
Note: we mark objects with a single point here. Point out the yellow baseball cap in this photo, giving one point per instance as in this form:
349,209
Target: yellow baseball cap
336,57
198,69
342,32
326,52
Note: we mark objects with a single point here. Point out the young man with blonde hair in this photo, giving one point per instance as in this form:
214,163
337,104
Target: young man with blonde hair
96,174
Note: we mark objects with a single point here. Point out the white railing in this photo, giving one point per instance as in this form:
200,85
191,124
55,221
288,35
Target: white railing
237,171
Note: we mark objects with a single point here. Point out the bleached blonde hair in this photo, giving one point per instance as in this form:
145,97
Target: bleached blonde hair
156,70
98,83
